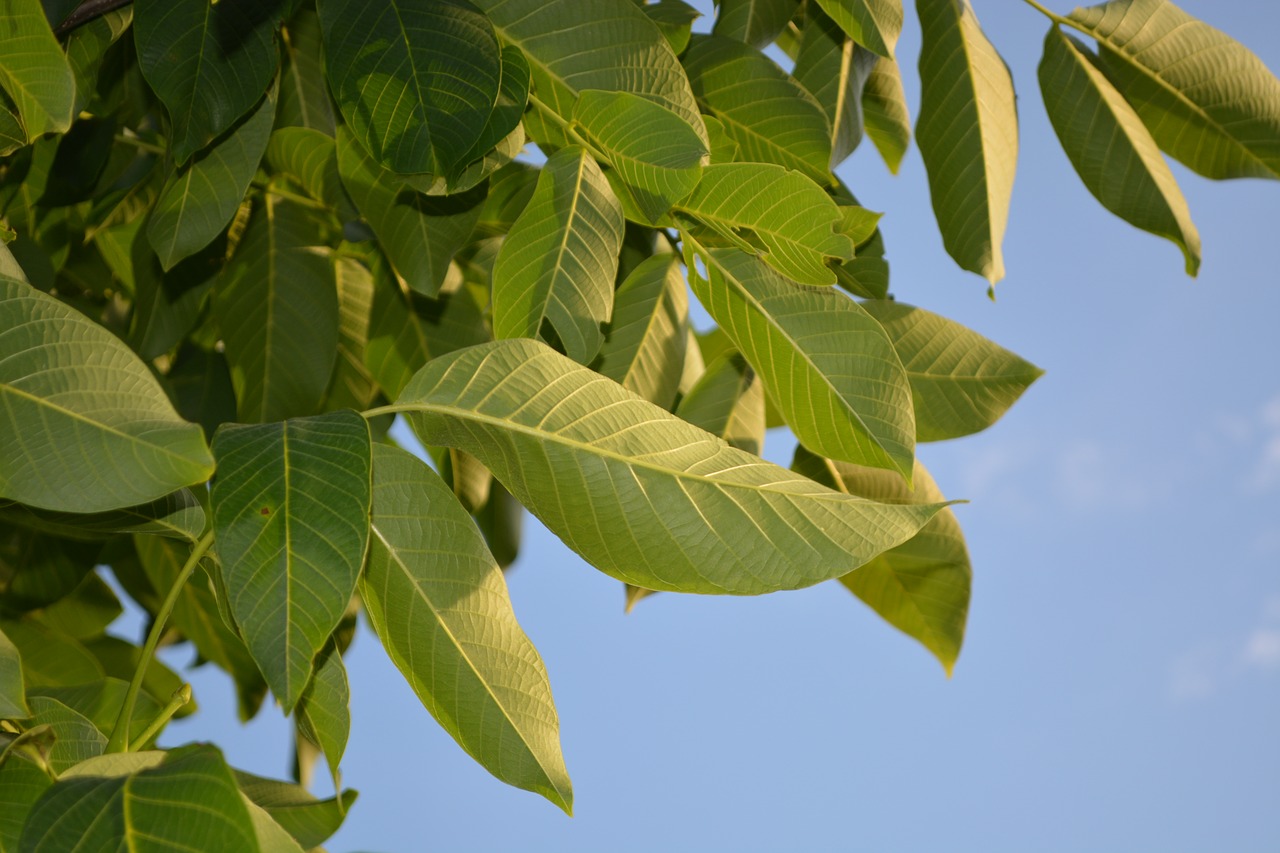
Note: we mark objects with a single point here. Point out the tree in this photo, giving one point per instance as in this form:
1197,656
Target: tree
238,225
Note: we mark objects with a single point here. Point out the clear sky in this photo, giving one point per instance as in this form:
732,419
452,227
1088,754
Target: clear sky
1119,688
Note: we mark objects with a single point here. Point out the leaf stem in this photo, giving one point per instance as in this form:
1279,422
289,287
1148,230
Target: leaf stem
149,147
119,740
305,201
180,697
567,127
1057,19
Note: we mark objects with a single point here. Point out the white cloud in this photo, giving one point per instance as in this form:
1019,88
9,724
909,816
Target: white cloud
1089,479
1262,650
1266,469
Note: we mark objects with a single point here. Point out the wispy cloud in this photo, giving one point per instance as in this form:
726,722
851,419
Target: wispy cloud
1262,650
1202,671
1194,674
1266,469
1091,478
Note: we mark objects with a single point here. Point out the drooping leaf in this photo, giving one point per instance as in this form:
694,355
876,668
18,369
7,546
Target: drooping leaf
352,386
644,348
13,702
277,306
639,493
323,711
656,153
309,820
209,63
291,513
770,116
419,233
86,427
185,801
1110,148
728,402
790,223
675,19
76,738
827,365
470,481
828,66
503,124
961,382
922,586
1208,100
610,45
416,80
200,198
559,261
50,657
874,24
438,602
968,134
304,91
885,116
756,22
177,515
34,71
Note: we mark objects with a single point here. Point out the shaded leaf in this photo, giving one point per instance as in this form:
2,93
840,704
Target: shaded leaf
177,515
885,116
76,739
828,65
86,427
200,381
469,480
310,157
675,19
438,601
21,784
756,22
50,657
100,701
309,820
13,702
639,493
968,134
83,613
728,402
291,514
501,520
352,386
304,91
36,569
120,660
34,71
323,712
644,348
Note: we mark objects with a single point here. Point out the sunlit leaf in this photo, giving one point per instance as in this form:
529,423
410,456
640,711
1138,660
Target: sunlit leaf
644,348
34,71
728,402
874,24
675,19
76,739
323,711
755,22
309,820
828,66
885,116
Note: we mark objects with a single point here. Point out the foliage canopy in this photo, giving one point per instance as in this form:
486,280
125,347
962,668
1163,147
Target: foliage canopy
240,236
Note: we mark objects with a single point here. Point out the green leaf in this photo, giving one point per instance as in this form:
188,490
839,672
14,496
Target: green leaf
610,45
34,71
416,80
885,116
200,384
323,711
36,569
419,234
352,386
178,515
309,820
209,63
87,45
826,364
469,480
1110,148
311,158
874,24
271,836
83,613
1208,100
503,125
21,784
728,402
12,137
120,660
50,657
304,91
656,153
961,382
86,427
781,216
770,116
644,347
200,198
167,305
675,19
639,493
77,739
968,134
756,22
277,306
561,257
100,702
13,703
291,515
187,801
922,586
438,601
828,65
195,614
501,520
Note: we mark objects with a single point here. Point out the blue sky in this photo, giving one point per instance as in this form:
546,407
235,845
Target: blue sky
1120,684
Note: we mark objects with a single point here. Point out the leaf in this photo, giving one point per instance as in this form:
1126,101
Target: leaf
644,348
501,520
188,801
968,134
469,480
922,586
34,71
21,784
561,257
770,116
438,602
610,45
311,158
209,63
656,153
756,22
13,703
728,402
779,215
874,24
271,836
828,66
200,198
77,739
87,45
1208,100
1110,148
85,428
177,515
121,660
37,569
200,385
419,234
885,116
304,91
640,494
85,612
50,657
323,712
961,382
100,701
503,126
826,364
675,19
416,80
291,515
277,307
309,820
167,305
352,386
12,137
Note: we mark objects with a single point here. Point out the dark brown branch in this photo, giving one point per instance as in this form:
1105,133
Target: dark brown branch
86,12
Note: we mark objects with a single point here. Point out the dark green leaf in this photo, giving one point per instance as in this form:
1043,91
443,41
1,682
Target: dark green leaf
874,24
100,702
120,660
304,92
310,157
177,515
76,738
50,657
675,19
36,569
83,613
13,703
167,305
828,66
21,784
885,117
323,711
